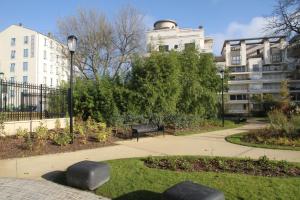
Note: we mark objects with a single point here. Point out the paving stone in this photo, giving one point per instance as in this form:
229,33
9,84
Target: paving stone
24,189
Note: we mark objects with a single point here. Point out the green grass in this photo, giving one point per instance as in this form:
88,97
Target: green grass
227,125
132,180
237,139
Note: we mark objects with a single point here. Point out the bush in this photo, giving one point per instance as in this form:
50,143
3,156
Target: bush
41,132
61,139
278,120
21,132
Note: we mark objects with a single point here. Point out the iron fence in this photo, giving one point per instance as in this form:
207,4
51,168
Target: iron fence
25,101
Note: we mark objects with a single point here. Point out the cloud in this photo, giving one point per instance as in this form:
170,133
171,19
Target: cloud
255,28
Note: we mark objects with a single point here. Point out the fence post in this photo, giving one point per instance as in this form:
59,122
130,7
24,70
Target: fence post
41,102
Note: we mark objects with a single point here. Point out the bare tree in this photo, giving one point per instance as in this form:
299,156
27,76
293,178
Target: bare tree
285,18
104,47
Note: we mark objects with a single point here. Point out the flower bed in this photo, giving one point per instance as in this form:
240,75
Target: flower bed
261,167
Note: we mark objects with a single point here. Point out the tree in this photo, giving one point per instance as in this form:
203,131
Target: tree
200,84
155,83
285,18
285,99
104,46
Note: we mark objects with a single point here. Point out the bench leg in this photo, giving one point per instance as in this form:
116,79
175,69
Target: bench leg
137,136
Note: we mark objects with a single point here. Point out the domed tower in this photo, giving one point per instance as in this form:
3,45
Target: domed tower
165,24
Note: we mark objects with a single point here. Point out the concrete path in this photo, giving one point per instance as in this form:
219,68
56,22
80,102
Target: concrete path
211,143
22,189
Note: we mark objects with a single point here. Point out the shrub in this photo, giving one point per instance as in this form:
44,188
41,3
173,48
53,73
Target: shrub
57,124
102,135
21,132
61,139
278,120
41,132
295,120
2,126
80,130
28,141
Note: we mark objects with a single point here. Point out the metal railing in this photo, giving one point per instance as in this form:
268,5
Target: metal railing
25,101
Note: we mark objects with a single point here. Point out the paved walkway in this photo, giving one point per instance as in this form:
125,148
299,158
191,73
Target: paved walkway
21,189
211,143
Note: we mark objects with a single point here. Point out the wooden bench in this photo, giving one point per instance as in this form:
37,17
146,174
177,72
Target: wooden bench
139,129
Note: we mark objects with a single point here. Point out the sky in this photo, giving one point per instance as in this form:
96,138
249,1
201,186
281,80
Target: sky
221,19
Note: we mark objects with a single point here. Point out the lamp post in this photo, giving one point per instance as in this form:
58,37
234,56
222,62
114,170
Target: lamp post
72,43
222,77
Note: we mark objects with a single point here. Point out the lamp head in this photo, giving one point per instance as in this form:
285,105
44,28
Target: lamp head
72,43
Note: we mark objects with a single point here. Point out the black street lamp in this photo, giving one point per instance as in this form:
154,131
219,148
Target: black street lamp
222,77
72,43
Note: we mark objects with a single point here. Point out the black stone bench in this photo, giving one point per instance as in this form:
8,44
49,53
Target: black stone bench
138,130
87,175
188,190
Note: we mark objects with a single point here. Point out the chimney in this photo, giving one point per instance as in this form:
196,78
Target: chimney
200,27
20,24
49,34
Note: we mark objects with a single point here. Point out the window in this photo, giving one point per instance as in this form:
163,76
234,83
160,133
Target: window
25,39
45,42
238,97
45,67
12,79
232,97
25,79
12,67
236,60
57,71
51,81
13,54
57,58
13,41
258,51
45,54
45,80
189,45
25,66
163,47
255,68
25,53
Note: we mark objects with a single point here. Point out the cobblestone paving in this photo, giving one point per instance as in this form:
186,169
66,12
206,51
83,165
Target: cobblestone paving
23,189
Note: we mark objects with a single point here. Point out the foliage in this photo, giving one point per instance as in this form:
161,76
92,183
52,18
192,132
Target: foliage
62,138
41,132
102,133
157,86
262,167
21,133
2,125
278,120
57,124
81,131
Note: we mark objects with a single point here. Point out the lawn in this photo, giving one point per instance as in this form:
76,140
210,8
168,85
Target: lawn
132,180
237,139
227,125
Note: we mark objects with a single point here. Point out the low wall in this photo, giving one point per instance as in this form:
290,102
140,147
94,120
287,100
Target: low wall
11,127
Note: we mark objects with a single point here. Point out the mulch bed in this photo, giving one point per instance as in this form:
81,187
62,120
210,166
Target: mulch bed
12,147
260,167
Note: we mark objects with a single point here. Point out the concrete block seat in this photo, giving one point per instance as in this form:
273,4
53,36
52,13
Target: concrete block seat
188,190
87,175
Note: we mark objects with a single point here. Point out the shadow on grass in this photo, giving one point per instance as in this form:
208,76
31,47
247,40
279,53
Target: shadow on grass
140,195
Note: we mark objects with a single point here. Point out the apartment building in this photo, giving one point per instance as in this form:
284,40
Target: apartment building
166,36
29,56
256,66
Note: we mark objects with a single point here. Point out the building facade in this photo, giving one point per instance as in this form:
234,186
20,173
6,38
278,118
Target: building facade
167,36
256,67
29,56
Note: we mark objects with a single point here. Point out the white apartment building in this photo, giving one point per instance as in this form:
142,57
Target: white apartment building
256,66
167,36
29,56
